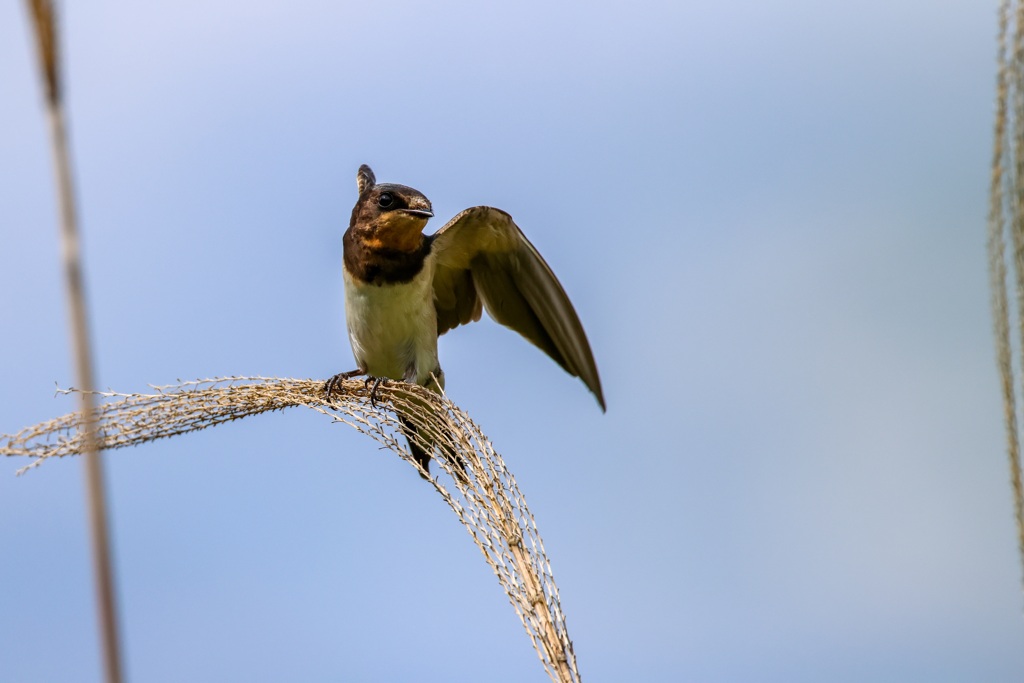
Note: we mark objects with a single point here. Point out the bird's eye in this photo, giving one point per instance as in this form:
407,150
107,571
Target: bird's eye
386,200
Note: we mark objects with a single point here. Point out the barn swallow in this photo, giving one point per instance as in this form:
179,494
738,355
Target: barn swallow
403,289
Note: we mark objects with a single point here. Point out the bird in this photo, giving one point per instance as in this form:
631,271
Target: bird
403,289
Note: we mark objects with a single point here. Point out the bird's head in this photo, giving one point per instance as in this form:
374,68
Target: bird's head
387,215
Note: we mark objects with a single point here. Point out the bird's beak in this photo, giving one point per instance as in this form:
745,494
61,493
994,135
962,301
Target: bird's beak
419,213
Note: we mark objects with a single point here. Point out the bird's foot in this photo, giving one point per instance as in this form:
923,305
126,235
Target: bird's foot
377,381
334,382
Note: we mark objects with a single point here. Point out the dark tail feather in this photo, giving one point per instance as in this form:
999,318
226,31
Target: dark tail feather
421,456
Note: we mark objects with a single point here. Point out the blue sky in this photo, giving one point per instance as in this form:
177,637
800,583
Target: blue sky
770,219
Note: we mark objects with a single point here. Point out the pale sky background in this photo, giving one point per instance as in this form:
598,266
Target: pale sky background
770,218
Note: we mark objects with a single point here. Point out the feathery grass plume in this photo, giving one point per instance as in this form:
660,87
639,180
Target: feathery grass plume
486,497
1006,215
44,25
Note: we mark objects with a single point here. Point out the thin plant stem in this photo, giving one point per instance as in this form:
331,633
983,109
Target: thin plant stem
43,15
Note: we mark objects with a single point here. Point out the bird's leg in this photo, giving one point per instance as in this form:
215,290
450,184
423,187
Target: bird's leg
333,383
410,374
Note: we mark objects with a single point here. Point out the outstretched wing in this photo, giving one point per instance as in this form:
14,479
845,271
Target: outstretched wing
483,260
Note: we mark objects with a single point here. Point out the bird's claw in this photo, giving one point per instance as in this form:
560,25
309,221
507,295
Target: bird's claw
334,382
377,381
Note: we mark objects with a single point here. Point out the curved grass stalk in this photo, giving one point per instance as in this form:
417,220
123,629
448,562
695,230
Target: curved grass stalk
486,498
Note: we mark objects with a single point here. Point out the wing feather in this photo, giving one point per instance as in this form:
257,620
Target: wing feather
483,260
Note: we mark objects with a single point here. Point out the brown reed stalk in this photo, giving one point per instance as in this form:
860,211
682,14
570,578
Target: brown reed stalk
485,497
44,24
1006,214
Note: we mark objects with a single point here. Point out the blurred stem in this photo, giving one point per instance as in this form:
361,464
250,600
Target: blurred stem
1006,214
44,23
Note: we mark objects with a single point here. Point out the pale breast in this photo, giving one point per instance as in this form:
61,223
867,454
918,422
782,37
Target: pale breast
393,327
